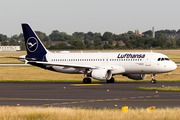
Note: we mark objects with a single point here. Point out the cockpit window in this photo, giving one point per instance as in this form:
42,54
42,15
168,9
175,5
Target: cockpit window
167,59
163,59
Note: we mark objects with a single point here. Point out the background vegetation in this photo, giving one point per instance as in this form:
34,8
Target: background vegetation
165,39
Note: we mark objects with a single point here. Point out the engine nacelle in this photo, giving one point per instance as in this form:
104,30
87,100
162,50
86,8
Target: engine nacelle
101,74
136,76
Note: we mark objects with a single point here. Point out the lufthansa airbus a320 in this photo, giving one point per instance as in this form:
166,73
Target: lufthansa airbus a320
100,66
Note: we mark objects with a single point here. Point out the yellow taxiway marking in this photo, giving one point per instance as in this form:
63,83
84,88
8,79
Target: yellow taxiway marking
42,99
165,100
116,99
91,100
132,97
108,99
84,84
141,97
130,100
148,96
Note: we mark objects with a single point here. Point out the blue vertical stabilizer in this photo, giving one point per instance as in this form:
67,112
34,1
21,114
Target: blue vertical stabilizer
33,44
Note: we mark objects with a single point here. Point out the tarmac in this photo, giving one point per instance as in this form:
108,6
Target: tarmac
95,95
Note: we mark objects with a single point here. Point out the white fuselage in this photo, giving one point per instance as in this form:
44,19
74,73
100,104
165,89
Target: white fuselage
119,62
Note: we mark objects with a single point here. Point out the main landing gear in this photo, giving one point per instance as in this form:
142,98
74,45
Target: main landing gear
110,81
87,80
153,79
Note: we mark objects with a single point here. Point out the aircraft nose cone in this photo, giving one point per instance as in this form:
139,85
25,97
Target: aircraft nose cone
173,66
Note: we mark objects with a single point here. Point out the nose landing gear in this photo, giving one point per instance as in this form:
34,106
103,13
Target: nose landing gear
153,79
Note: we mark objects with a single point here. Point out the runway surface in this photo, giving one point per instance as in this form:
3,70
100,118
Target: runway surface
96,95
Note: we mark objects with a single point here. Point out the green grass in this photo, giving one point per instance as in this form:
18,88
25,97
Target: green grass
168,88
19,80
32,73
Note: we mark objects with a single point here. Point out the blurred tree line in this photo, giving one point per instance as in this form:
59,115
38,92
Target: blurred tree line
80,40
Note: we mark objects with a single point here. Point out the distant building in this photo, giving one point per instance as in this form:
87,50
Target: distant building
137,33
105,42
173,36
10,48
121,43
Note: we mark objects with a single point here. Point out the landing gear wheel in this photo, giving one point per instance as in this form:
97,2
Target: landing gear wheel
87,80
110,81
153,81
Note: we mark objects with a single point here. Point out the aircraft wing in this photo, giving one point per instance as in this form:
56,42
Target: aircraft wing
63,64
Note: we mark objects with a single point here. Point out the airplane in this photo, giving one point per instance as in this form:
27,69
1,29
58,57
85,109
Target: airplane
100,66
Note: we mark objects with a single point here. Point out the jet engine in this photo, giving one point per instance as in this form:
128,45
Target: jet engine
136,76
101,74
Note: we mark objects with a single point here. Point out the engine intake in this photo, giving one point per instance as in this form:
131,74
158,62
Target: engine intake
101,74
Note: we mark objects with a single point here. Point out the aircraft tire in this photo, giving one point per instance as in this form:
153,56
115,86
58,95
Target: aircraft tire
110,81
153,81
87,80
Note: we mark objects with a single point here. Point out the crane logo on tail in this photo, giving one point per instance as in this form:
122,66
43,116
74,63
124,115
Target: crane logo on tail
32,44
